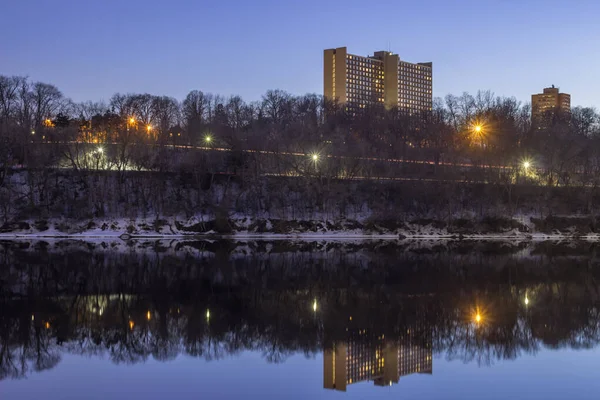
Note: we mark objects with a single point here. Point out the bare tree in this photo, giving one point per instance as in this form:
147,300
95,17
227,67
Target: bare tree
193,110
46,100
166,113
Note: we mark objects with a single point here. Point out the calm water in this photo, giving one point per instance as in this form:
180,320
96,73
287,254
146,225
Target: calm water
228,320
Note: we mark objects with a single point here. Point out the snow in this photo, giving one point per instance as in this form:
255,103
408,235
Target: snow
246,228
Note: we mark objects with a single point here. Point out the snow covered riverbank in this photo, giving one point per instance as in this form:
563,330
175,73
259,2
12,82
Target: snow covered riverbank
244,228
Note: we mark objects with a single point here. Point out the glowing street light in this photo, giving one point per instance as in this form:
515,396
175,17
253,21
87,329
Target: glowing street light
526,165
526,300
100,150
314,306
207,139
315,157
148,315
131,324
478,315
132,120
478,130
149,128
207,314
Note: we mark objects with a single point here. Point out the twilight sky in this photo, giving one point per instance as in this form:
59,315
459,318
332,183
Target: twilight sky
92,49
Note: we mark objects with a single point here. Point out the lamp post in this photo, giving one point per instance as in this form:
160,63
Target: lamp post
130,122
479,132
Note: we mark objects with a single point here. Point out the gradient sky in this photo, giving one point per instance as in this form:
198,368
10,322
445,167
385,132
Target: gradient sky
92,49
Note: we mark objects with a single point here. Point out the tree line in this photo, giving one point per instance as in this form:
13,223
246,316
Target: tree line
141,154
480,128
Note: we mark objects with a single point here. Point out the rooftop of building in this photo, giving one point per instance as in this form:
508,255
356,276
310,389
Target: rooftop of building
379,56
552,90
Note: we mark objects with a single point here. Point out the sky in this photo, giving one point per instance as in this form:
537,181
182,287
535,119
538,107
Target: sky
93,49
545,374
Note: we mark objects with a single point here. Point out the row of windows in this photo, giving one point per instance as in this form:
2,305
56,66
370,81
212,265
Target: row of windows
375,87
414,67
408,81
414,74
355,65
360,59
363,82
358,74
413,78
414,88
424,96
363,93
360,89
417,69
414,100
359,79
415,105
368,71
362,97
426,81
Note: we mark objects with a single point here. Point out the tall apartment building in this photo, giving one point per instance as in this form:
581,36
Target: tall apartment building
358,81
550,100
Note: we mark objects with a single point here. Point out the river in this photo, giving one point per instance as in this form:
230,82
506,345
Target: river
298,320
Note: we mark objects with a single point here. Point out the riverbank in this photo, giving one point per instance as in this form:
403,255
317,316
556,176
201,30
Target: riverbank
150,205
486,228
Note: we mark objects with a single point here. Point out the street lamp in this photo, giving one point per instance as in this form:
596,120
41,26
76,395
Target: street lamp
130,123
149,128
479,131
207,139
478,316
315,157
526,165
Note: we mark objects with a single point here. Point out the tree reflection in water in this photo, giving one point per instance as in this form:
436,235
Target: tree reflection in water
471,302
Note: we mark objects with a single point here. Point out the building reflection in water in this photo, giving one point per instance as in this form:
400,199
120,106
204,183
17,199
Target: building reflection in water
377,358
128,307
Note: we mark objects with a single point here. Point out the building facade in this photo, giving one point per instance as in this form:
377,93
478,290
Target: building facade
551,101
358,82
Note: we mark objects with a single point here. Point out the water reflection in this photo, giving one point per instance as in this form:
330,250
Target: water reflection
367,357
376,312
